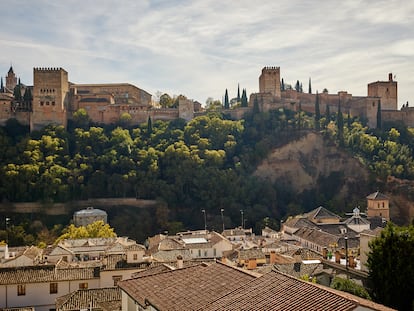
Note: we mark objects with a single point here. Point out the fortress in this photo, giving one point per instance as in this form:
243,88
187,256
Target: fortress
53,99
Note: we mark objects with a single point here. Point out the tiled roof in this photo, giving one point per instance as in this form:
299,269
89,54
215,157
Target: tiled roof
299,222
277,291
18,309
253,253
377,196
171,255
185,289
335,229
316,236
37,274
87,298
297,269
321,213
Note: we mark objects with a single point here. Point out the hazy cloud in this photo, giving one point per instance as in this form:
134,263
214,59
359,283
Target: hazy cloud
200,48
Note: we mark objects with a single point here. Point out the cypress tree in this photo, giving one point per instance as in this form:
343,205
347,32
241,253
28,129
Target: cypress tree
317,112
379,117
149,125
327,116
301,88
297,86
282,86
244,102
226,100
2,86
310,86
17,93
340,124
238,92
349,123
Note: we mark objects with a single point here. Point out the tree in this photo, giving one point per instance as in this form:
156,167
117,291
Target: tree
244,101
297,86
379,117
349,286
81,118
149,126
310,86
1,85
391,267
226,100
166,101
340,124
317,112
327,116
97,229
282,86
238,93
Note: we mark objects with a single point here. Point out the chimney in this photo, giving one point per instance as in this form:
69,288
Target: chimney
272,259
390,77
337,257
325,253
180,263
251,264
351,261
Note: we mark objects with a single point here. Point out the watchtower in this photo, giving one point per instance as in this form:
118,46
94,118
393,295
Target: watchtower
378,206
387,91
50,97
269,81
11,79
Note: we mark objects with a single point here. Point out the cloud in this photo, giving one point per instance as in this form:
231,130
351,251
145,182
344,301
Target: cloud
200,48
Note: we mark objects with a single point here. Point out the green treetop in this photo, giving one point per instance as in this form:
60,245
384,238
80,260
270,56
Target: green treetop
97,229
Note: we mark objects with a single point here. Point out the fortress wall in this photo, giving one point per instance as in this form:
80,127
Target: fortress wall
406,116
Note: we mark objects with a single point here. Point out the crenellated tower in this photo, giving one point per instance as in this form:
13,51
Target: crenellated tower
269,81
387,91
50,97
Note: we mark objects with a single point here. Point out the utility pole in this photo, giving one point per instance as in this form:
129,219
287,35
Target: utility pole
222,217
205,220
242,220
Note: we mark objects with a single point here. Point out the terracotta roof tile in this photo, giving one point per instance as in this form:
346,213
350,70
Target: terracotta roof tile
82,299
37,274
185,289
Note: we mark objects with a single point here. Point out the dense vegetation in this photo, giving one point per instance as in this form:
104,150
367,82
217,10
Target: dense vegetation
205,164
391,267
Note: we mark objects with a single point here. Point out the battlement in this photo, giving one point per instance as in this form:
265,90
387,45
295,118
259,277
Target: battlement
270,68
47,69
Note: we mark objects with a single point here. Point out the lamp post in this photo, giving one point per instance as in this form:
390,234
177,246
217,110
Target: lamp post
346,252
242,220
205,219
7,231
222,217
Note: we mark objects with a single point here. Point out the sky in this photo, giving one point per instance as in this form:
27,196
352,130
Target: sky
200,48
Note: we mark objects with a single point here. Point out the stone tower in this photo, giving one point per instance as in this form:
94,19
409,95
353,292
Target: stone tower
378,206
11,80
50,97
387,91
269,81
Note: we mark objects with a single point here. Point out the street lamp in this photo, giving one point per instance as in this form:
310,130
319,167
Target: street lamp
222,217
205,219
7,231
346,252
242,221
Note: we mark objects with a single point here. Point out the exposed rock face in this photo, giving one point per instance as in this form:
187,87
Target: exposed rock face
300,164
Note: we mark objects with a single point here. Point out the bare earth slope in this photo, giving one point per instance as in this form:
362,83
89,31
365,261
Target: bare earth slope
301,163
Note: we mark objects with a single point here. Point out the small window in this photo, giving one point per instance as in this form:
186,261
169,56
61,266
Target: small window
21,290
199,253
83,285
53,288
42,103
65,258
116,279
135,256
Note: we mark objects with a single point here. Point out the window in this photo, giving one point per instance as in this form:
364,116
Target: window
83,285
215,252
53,288
21,290
116,279
135,256
199,253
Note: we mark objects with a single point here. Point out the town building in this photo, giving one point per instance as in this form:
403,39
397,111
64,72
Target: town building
216,286
89,215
